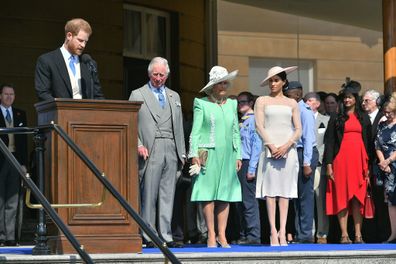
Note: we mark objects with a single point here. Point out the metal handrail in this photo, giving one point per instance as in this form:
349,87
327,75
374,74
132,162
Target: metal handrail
54,127
41,199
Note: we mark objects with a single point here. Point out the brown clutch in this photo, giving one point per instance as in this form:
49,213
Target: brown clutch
203,156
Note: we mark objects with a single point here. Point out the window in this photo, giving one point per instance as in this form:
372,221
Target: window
258,69
146,32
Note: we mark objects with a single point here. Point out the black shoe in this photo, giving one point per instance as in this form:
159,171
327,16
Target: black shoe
150,244
246,241
199,239
10,243
390,241
302,241
173,244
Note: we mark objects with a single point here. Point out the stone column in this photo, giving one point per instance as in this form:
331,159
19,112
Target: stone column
389,38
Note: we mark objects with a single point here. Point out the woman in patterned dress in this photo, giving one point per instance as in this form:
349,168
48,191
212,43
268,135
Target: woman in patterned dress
385,146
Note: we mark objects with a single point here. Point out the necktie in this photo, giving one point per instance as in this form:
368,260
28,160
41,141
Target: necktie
8,116
161,98
71,64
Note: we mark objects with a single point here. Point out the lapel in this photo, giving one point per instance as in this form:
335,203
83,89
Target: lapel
2,119
151,102
85,80
377,118
172,103
18,122
61,66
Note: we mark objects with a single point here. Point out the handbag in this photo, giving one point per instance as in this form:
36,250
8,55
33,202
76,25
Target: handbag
369,208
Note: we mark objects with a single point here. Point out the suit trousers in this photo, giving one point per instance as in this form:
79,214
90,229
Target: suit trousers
248,209
158,188
9,191
322,226
305,203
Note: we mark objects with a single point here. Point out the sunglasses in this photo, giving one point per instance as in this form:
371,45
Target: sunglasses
243,102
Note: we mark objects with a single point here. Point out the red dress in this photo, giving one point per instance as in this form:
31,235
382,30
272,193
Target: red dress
349,168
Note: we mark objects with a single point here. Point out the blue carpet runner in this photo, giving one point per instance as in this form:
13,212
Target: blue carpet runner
27,250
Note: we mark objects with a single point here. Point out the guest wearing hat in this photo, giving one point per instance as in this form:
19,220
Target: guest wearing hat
308,159
278,124
215,151
321,121
347,149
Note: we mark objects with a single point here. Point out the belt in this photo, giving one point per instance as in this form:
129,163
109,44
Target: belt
303,147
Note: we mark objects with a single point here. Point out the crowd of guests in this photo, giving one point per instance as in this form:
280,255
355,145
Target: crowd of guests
311,159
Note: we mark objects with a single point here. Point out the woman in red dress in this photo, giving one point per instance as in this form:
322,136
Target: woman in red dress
347,149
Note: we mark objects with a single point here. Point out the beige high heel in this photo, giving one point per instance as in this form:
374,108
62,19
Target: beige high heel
282,240
274,240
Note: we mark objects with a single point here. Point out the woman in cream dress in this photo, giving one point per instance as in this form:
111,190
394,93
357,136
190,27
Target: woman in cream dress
278,124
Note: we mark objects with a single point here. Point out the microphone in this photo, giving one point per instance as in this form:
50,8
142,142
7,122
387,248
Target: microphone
87,59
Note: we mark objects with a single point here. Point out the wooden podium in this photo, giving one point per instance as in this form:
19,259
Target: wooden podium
106,131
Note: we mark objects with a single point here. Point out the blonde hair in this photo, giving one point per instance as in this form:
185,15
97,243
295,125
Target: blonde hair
75,25
392,102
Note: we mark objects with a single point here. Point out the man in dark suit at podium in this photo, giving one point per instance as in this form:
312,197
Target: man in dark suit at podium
9,178
66,72
161,149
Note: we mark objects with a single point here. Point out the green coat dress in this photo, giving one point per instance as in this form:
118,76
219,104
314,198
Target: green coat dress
215,128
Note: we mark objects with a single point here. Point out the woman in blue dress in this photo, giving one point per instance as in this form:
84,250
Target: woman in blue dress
385,145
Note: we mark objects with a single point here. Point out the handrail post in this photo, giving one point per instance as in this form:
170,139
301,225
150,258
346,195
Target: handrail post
41,247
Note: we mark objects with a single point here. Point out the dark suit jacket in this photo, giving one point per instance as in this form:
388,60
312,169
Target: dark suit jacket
52,78
19,117
374,127
335,133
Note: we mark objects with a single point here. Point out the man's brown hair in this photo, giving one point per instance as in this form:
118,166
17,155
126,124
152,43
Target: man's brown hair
76,24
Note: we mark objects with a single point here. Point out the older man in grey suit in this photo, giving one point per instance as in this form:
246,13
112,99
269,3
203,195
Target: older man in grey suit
161,149
321,121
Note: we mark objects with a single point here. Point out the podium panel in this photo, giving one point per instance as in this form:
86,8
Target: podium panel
106,131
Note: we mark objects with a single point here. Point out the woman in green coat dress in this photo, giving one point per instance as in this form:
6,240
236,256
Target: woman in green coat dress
215,132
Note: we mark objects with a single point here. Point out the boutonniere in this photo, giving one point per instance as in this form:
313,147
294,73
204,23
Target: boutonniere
322,125
20,124
177,103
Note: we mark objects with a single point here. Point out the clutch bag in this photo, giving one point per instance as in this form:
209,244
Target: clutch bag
203,156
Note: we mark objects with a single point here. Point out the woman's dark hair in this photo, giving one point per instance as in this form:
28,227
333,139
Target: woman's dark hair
332,95
248,95
283,77
342,112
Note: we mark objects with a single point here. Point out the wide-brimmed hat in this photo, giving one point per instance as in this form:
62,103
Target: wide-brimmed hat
218,74
275,71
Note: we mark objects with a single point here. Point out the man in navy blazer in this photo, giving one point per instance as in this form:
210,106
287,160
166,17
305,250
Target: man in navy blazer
9,178
66,72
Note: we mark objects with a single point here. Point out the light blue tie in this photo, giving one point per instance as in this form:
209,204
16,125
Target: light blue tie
161,98
8,116
71,64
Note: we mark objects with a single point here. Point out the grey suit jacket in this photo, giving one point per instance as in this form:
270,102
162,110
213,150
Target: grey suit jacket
148,118
321,126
